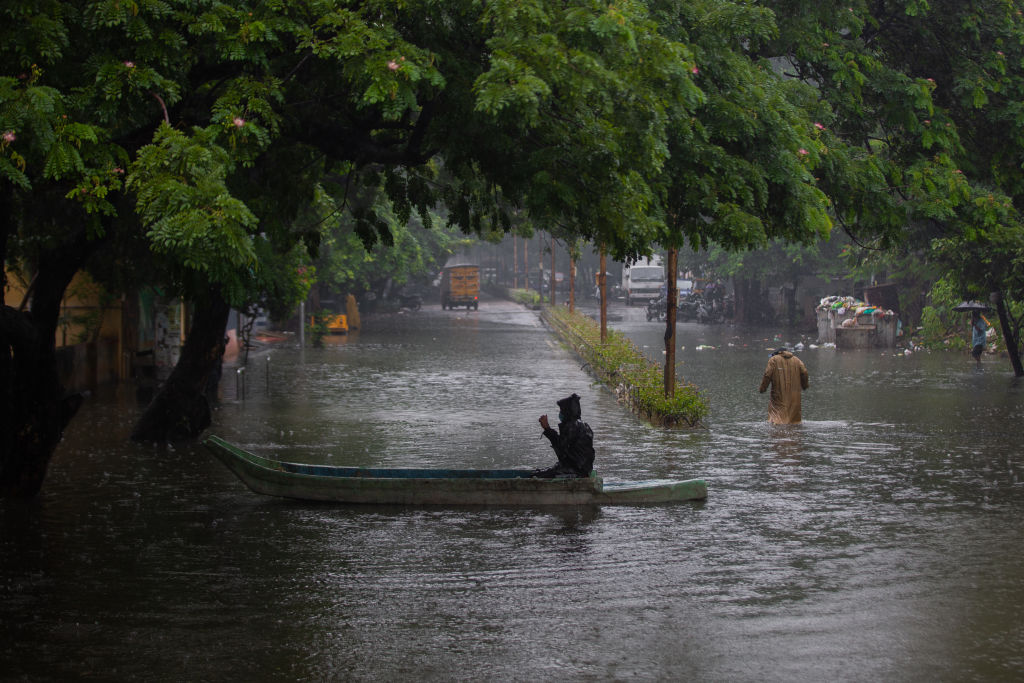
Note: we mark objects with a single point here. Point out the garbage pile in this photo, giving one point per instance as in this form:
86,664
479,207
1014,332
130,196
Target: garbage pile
873,326
840,306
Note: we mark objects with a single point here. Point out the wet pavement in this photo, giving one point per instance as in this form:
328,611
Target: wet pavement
878,540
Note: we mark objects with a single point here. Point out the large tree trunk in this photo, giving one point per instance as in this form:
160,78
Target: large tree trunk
602,285
515,262
572,284
526,264
552,294
34,409
1011,334
670,323
181,408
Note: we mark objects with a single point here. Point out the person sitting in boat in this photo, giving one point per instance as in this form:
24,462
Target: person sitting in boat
573,442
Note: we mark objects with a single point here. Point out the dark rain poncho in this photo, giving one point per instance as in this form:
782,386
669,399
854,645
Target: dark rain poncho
573,442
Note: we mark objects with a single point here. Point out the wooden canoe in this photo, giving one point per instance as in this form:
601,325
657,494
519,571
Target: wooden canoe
438,486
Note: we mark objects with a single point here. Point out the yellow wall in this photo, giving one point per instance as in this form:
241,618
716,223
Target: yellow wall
84,316
14,290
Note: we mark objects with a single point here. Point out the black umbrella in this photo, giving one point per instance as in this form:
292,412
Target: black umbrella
969,306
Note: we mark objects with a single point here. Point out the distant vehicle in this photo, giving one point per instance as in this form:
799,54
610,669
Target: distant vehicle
561,281
559,277
643,280
460,286
684,287
336,323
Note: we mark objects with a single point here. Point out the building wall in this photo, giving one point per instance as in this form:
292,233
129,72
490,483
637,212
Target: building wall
85,314
89,339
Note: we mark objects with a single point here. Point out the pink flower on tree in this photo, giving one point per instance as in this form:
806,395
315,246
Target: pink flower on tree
238,121
802,152
393,65
695,70
130,65
9,136
819,126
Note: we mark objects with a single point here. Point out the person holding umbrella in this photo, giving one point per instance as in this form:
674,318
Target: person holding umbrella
979,328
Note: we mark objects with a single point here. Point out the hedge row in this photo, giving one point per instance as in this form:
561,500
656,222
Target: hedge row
621,366
526,297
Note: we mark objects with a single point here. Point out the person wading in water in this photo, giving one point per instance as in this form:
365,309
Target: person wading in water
979,328
573,442
787,376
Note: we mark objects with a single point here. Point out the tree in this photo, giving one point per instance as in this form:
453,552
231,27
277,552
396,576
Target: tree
928,96
227,117
47,154
741,163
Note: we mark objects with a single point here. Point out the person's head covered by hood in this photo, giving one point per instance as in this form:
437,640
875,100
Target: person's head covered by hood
573,442
569,409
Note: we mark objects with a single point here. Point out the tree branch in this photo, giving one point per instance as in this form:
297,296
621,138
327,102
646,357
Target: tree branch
163,105
856,240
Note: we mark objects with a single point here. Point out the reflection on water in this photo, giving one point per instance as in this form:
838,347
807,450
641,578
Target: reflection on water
875,541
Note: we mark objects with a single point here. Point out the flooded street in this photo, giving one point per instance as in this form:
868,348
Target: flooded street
879,540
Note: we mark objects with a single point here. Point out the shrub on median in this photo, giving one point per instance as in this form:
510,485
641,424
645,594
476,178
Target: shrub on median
621,366
526,297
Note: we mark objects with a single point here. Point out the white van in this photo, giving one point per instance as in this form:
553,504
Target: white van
643,280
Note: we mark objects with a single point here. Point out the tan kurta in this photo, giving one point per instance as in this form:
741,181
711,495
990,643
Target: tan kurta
787,376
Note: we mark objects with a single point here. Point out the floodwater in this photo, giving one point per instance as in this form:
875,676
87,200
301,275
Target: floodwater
880,540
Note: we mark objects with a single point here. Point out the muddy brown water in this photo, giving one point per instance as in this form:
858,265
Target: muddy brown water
879,540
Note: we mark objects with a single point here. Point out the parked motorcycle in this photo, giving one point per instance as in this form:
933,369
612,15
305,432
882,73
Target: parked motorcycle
410,301
689,307
704,314
657,309
695,308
